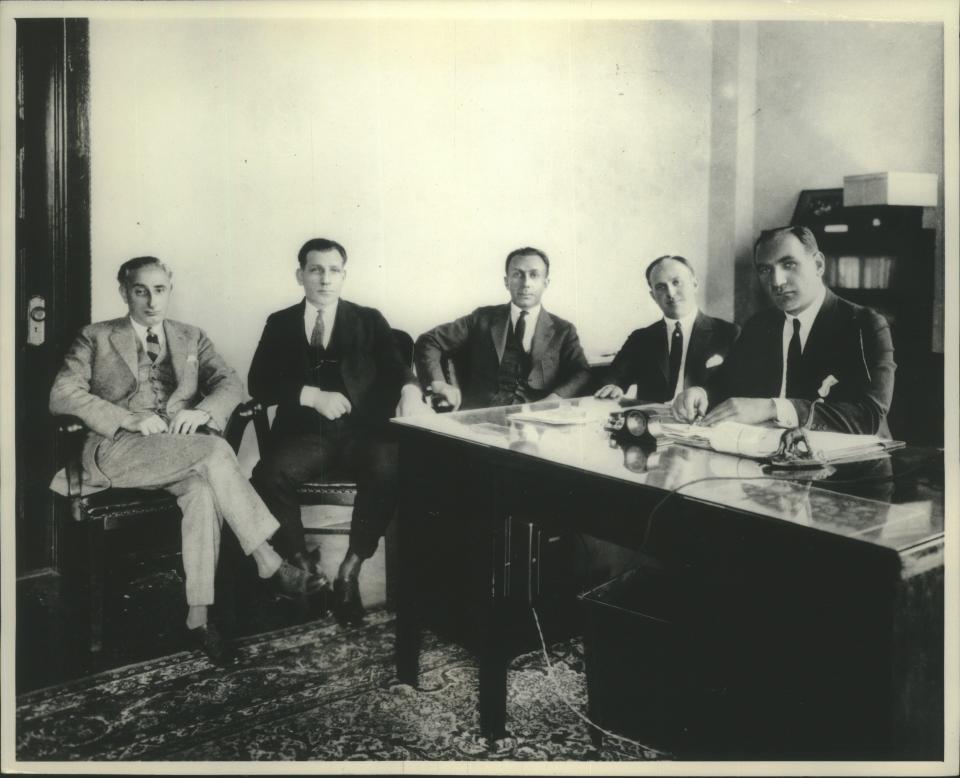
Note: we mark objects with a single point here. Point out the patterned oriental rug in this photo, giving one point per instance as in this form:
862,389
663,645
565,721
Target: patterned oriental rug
313,692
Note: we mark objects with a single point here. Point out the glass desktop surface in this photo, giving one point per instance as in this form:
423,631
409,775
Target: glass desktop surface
859,500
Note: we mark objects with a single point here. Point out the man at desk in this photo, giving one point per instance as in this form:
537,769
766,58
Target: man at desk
506,354
334,371
146,386
685,348
811,344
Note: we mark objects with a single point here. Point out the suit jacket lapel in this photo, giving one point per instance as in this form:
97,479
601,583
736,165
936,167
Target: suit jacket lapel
699,343
659,331
177,347
124,340
297,331
345,331
542,336
498,329
822,331
772,369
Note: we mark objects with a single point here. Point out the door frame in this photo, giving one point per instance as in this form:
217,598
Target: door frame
53,258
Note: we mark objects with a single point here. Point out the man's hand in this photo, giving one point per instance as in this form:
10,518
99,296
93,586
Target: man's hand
144,423
412,402
450,393
187,421
331,405
746,410
612,391
690,404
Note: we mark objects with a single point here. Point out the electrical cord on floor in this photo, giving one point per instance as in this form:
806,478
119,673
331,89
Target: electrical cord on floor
567,703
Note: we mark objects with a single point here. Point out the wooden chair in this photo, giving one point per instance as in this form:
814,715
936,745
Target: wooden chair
338,488
153,513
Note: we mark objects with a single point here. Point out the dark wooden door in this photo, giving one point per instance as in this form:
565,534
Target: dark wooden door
52,255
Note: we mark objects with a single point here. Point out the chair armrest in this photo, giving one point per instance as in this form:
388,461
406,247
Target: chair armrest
261,423
70,434
238,421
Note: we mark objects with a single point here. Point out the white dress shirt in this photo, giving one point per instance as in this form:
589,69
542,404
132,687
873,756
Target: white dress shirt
531,324
310,312
786,413
686,327
141,333
308,394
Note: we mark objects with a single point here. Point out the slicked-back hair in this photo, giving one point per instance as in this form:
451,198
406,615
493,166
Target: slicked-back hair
801,233
526,251
320,244
676,258
131,266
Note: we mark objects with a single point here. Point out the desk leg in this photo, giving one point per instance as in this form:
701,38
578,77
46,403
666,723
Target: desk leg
493,675
408,617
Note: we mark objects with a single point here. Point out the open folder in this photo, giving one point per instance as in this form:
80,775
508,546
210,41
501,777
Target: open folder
757,442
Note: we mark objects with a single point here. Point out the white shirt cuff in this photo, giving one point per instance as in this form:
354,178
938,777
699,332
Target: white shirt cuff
307,395
786,413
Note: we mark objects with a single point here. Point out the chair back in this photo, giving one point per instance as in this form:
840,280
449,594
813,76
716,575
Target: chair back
404,345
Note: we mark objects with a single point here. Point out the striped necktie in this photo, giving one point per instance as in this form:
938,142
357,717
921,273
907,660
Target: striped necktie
153,344
316,337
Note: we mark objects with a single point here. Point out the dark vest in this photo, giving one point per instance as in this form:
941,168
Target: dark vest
512,381
324,372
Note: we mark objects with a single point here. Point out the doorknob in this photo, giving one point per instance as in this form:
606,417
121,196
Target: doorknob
36,321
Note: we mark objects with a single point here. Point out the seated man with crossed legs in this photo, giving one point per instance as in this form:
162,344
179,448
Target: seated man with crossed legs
147,387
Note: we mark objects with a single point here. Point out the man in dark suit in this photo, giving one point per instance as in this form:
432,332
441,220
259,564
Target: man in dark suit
506,354
335,373
147,386
685,348
811,345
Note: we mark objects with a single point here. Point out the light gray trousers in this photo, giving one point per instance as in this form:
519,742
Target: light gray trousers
203,472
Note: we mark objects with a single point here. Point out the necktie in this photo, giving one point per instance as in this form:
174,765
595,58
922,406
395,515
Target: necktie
316,337
521,328
153,345
794,355
676,354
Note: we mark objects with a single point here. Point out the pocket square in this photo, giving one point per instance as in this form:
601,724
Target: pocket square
191,357
827,384
714,361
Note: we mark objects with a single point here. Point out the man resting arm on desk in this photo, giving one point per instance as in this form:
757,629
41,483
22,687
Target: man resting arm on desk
811,343
685,348
513,353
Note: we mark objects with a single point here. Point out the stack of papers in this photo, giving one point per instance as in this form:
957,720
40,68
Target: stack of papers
756,442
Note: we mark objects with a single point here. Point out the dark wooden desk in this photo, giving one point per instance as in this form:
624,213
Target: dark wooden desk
809,575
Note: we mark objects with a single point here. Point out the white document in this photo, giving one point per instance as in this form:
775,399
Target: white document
749,440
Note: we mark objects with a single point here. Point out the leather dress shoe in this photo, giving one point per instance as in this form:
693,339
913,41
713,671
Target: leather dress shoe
218,649
291,581
309,562
347,606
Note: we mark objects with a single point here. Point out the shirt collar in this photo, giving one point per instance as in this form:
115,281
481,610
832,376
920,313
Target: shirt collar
808,315
532,314
686,323
310,311
141,331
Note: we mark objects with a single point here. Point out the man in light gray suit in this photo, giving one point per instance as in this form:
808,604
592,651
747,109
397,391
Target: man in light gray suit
147,387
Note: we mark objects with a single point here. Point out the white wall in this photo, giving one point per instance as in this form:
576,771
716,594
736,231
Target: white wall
430,149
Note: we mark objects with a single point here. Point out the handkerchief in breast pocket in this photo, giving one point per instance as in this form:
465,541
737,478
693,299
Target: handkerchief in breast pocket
191,358
715,361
